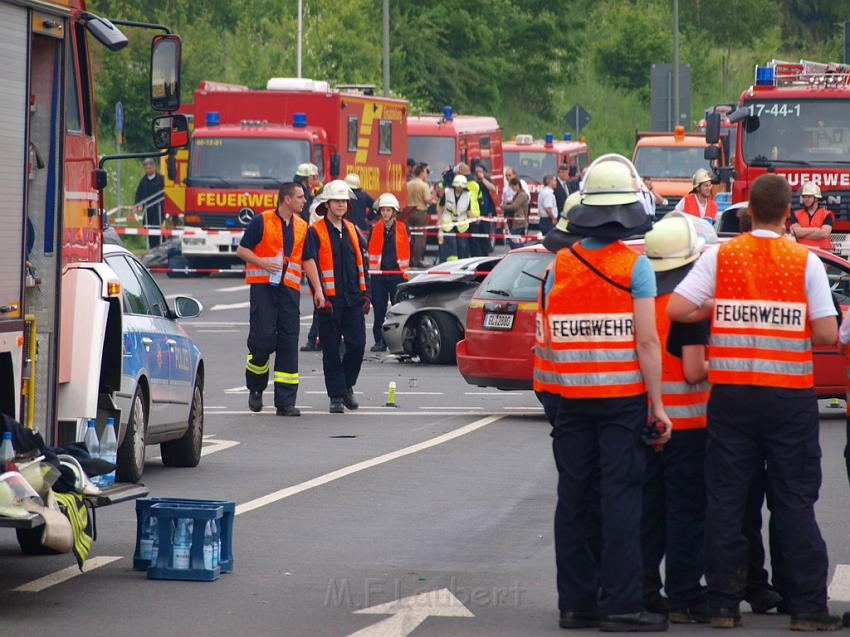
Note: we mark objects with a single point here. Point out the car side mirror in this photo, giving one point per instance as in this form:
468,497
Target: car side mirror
711,153
170,131
335,165
187,307
165,73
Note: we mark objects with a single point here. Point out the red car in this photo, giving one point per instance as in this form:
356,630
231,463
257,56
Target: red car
497,348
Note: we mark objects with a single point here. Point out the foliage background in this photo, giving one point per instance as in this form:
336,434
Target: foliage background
524,61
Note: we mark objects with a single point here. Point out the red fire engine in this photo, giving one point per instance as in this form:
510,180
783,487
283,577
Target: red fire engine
532,159
246,142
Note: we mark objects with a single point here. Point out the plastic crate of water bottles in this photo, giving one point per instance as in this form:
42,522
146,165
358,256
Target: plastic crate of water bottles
184,539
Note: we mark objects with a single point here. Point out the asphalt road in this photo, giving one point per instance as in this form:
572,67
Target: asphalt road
449,494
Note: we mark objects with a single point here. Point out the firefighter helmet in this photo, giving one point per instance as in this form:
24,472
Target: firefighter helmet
303,170
811,190
337,189
560,236
387,200
673,242
314,170
700,177
611,180
459,181
353,180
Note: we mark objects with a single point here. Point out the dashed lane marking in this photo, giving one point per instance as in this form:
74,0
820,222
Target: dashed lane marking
52,579
233,288
230,306
447,407
287,492
190,323
390,411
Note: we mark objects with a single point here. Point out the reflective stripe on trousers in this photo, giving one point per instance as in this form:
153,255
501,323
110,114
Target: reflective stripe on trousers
286,377
256,369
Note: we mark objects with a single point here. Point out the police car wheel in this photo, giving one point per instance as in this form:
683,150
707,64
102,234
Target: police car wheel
436,338
186,450
131,453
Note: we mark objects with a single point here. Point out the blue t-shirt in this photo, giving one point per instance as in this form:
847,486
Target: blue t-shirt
643,276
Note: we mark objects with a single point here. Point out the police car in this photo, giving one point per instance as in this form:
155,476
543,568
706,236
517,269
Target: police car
162,384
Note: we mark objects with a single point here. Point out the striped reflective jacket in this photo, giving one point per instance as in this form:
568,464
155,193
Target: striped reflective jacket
271,243
686,404
585,343
760,332
402,247
326,257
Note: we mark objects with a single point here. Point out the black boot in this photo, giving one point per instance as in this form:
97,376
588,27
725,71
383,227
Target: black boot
349,401
289,410
811,622
763,599
578,619
642,622
336,406
255,401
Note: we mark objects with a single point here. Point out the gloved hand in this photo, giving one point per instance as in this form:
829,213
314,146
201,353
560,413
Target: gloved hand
367,304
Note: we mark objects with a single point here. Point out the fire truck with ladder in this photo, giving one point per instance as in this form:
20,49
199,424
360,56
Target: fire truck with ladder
793,121
61,314
247,142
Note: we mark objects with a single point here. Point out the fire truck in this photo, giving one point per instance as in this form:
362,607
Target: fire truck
60,304
247,142
794,121
532,159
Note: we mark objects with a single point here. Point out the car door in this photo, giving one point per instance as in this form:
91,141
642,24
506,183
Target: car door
830,365
146,348
181,373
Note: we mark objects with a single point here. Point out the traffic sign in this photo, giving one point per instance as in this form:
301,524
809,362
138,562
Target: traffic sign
577,117
119,118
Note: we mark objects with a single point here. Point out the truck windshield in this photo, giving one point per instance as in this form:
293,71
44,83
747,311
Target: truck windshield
437,152
803,131
234,161
532,165
665,162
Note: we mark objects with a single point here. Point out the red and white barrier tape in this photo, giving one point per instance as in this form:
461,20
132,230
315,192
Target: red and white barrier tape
189,232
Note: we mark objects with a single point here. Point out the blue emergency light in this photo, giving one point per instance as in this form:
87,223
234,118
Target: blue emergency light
568,136
213,118
549,138
764,76
299,120
448,113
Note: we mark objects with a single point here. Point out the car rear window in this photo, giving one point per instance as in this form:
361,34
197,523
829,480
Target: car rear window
509,281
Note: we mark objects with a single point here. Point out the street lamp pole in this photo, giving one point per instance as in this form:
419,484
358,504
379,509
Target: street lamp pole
386,48
300,34
676,104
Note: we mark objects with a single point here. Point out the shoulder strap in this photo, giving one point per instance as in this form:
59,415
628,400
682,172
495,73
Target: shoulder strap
598,272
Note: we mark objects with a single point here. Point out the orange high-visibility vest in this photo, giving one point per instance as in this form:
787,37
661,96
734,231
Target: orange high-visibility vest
691,207
402,247
686,404
586,329
816,221
326,257
760,331
271,243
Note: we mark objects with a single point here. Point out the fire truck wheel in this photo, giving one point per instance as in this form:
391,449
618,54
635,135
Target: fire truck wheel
131,453
30,542
436,338
186,450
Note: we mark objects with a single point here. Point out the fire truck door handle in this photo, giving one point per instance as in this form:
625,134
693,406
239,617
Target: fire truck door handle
147,342
8,309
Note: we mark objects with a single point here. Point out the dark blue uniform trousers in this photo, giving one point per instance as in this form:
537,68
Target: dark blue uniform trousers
748,426
273,328
599,439
673,519
757,577
343,323
383,291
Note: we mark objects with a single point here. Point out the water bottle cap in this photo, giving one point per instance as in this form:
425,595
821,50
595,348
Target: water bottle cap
91,422
110,421
7,435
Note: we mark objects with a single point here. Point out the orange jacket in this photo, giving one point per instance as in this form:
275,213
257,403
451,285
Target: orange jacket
326,257
402,247
691,207
271,243
815,221
686,404
760,331
586,336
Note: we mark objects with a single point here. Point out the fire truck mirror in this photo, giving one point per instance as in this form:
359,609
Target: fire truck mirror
106,33
165,73
335,165
100,179
711,153
712,128
170,131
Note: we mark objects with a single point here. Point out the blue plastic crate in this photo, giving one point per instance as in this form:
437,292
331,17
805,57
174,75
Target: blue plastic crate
143,506
167,516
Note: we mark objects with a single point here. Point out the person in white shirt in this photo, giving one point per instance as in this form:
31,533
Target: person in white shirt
547,206
508,193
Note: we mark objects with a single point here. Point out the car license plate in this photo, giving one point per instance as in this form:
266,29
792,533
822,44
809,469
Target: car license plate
499,321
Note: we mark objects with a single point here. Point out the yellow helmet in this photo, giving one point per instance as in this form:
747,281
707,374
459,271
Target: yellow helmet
810,189
700,177
673,242
387,200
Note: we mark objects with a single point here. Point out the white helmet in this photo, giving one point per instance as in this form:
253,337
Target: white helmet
353,180
303,170
337,189
611,180
459,181
314,170
387,200
673,242
811,190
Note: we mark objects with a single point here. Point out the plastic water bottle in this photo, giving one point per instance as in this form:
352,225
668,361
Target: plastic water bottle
155,543
7,453
216,542
92,443
274,277
209,550
150,535
108,452
182,550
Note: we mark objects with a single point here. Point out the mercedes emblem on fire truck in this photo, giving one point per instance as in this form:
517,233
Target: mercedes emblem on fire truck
245,215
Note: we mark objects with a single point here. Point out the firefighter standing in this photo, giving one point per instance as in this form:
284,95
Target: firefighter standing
334,242
674,485
389,251
699,202
455,218
273,250
812,224
597,347
769,302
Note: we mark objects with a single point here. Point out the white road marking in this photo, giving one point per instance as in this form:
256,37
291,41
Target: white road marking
190,323
410,612
218,331
230,306
282,494
447,407
391,411
417,393
52,579
325,393
218,445
839,587
485,393
518,408
215,407
233,288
